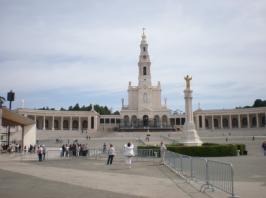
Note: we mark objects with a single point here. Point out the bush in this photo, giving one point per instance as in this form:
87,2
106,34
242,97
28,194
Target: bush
206,150
218,150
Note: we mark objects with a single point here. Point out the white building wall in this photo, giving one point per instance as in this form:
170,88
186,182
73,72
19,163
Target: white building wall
30,135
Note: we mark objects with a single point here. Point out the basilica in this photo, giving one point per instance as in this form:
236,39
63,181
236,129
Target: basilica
144,111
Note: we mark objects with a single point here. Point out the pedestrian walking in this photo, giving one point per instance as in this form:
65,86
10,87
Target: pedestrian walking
129,153
104,148
264,147
162,151
39,153
111,154
43,152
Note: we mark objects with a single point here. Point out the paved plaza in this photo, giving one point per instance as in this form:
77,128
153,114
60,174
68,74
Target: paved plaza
92,178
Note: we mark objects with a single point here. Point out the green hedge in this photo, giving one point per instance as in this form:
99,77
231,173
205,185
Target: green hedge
206,150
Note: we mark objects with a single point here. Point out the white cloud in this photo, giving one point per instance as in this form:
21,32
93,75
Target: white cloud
93,47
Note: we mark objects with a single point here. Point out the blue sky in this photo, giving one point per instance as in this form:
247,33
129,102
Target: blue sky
58,53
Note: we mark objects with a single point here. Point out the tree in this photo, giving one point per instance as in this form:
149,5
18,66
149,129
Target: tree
116,113
259,103
2,100
76,107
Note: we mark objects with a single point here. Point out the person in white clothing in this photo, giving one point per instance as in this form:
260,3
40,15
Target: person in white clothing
129,153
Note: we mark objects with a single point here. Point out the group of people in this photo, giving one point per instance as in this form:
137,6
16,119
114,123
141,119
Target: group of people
128,150
74,149
17,148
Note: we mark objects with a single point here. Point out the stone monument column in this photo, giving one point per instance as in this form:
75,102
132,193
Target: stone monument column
189,135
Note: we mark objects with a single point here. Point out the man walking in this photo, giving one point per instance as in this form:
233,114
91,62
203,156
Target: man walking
111,154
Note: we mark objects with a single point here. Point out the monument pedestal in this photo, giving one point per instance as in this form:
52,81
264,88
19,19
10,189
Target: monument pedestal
190,136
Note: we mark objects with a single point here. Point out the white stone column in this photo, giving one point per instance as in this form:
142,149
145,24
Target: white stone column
203,122
212,123
189,135
248,120
79,124
239,121
197,122
52,123
221,122
62,123
1,114
95,123
43,126
230,121
89,123
70,123
257,120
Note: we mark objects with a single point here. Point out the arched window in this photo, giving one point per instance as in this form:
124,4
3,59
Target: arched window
144,49
145,120
144,71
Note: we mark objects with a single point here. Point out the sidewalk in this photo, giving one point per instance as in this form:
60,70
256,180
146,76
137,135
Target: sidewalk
144,179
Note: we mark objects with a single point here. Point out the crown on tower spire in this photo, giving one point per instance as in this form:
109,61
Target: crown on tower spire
143,35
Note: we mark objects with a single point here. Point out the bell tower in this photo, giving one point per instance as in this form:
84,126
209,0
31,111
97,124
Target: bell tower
144,63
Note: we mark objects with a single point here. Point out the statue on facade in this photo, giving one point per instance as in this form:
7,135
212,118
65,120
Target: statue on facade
188,79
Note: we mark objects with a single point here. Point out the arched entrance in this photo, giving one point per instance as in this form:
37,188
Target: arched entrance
134,121
145,120
126,120
164,121
156,121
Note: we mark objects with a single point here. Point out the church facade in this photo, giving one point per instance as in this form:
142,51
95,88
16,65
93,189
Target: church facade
144,109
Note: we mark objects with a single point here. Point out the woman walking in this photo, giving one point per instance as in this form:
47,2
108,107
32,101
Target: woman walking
129,153
111,154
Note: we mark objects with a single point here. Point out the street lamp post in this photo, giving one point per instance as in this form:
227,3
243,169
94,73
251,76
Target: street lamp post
10,98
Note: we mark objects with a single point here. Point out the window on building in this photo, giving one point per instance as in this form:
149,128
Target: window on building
144,49
144,71
101,121
112,121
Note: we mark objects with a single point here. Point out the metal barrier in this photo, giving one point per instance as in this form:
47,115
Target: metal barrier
213,174
97,153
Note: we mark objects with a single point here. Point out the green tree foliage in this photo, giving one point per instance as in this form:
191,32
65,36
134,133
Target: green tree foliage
2,100
116,113
103,110
257,103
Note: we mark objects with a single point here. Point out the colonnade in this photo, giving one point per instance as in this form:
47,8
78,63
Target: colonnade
230,121
50,122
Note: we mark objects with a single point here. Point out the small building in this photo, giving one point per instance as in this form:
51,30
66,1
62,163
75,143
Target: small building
23,130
